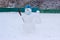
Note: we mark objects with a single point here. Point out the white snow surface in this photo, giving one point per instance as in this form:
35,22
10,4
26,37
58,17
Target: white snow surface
13,28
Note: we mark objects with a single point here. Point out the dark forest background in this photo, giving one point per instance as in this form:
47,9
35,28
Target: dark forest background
42,4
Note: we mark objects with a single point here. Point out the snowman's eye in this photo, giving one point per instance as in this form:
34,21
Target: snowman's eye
27,9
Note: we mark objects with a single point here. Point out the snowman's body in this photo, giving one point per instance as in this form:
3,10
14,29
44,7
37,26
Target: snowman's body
30,21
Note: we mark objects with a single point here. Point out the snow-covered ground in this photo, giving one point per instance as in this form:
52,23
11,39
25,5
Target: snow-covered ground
11,27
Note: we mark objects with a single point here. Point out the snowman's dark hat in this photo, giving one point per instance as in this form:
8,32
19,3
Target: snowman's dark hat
28,6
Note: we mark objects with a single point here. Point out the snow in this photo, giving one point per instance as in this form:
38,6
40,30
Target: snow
13,28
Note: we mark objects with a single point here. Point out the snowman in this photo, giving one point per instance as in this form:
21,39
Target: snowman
30,19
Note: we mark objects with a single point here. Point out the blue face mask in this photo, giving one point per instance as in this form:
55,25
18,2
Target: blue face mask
28,13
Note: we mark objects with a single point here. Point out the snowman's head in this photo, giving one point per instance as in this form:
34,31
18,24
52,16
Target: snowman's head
28,11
